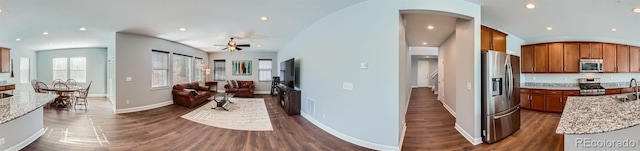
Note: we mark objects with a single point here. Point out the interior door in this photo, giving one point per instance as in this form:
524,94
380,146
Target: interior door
423,73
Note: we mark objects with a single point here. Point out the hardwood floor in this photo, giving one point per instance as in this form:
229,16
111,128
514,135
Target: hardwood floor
163,129
431,127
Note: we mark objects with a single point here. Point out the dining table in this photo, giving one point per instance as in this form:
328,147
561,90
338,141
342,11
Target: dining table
60,101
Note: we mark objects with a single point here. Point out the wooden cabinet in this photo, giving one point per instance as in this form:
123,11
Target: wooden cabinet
612,91
491,39
622,58
634,59
609,58
5,60
571,58
590,50
541,58
525,99
289,100
553,102
526,58
556,57
537,99
567,93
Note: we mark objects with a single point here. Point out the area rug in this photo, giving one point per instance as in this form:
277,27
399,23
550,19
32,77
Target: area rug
249,114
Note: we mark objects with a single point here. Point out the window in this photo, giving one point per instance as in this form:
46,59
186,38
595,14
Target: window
218,70
24,70
197,69
181,68
265,66
59,68
159,68
78,69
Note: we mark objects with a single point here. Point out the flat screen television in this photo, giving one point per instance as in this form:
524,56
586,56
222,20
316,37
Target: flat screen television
288,73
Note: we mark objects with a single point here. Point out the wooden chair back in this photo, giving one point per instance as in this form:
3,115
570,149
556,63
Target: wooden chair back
71,82
40,86
57,81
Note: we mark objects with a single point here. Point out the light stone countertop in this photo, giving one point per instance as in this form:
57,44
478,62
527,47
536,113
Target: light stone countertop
597,114
21,103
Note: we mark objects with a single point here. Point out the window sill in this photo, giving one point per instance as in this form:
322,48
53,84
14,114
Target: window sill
160,88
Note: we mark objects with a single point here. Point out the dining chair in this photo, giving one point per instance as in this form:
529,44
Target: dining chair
57,81
71,82
39,86
81,99
33,84
64,96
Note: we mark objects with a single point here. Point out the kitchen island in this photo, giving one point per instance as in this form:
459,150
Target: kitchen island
600,123
21,118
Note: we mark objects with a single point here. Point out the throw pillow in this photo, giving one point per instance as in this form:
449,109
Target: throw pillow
193,91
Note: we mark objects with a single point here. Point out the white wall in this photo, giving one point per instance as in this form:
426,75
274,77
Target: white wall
467,86
133,53
375,100
96,71
424,51
264,86
448,86
404,74
16,52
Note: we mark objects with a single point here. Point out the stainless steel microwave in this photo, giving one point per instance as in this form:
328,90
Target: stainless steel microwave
591,65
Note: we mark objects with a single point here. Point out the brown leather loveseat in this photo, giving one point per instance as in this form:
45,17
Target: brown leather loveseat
244,89
183,96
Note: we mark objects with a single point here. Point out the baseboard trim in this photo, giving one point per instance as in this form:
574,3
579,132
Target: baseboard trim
97,95
404,131
474,141
143,108
27,141
406,108
261,92
419,86
449,109
346,137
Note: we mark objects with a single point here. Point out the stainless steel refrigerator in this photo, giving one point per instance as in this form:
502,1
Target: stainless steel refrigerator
500,95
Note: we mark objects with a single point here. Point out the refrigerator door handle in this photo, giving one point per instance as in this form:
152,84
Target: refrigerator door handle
507,114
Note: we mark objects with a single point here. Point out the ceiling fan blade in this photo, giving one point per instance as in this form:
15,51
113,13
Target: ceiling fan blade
220,45
243,45
225,48
238,48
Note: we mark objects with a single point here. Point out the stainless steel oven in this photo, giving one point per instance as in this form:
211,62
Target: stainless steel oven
591,65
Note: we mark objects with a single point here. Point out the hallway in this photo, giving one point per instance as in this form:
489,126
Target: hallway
431,127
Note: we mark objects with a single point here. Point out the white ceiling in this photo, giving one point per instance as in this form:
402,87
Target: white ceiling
588,20
208,22
417,32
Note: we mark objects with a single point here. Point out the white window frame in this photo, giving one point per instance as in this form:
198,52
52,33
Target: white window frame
71,69
65,70
262,69
25,70
188,64
167,69
219,72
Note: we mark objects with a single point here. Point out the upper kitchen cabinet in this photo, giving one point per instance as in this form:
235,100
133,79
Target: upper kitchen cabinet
541,58
590,50
5,60
609,58
634,59
556,57
572,57
527,59
622,58
491,39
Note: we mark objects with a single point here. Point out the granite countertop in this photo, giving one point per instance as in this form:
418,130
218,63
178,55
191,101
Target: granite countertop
21,103
597,114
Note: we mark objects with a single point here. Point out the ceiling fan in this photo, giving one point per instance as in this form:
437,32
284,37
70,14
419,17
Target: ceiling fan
233,46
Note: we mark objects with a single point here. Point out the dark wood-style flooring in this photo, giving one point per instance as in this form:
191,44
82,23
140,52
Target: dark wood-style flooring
164,129
431,127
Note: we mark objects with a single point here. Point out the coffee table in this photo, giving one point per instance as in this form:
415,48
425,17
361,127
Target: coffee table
222,99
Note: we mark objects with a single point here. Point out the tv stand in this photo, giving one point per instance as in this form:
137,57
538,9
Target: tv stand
289,100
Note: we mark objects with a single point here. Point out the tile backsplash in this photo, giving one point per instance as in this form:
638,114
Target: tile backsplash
612,78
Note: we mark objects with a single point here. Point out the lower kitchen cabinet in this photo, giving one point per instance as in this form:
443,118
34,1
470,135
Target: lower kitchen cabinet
537,99
553,103
525,99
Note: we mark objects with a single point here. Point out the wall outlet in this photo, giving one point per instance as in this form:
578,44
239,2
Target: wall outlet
323,116
127,101
347,85
1,141
469,86
128,79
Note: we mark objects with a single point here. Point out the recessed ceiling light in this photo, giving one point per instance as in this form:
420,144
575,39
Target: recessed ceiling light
18,39
264,18
183,29
259,46
614,29
45,33
424,43
636,10
549,28
83,29
530,6
429,27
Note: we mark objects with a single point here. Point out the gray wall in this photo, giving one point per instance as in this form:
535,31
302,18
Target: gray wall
330,52
448,53
133,55
264,86
468,75
18,51
96,66
404,74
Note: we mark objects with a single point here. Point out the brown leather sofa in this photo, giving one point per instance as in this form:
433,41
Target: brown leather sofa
245,89
188,98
